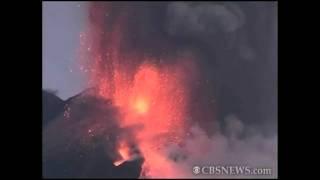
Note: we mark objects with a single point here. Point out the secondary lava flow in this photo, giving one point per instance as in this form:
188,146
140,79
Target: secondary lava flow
150,95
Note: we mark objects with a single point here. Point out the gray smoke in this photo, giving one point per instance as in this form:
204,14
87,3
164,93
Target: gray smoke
238,54
254,151
236,44
203,19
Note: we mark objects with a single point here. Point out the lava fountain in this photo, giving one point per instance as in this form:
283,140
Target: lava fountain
150,95
155,100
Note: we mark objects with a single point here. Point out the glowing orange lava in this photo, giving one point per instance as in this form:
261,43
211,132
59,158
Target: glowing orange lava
141,106
155,99
124,152
150,95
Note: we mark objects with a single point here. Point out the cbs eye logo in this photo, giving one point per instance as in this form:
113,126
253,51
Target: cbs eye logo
196,170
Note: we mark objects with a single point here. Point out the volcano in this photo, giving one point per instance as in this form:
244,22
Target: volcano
174,85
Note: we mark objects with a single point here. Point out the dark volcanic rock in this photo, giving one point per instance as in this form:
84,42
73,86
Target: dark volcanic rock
79,141
52,105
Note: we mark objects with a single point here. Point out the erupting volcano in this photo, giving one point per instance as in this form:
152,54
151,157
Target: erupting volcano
172,89
150,95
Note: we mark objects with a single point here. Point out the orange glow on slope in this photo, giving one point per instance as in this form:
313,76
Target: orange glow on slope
124,152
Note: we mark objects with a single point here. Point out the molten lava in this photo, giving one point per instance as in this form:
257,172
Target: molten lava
154,99
124,152
141,106
150,95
